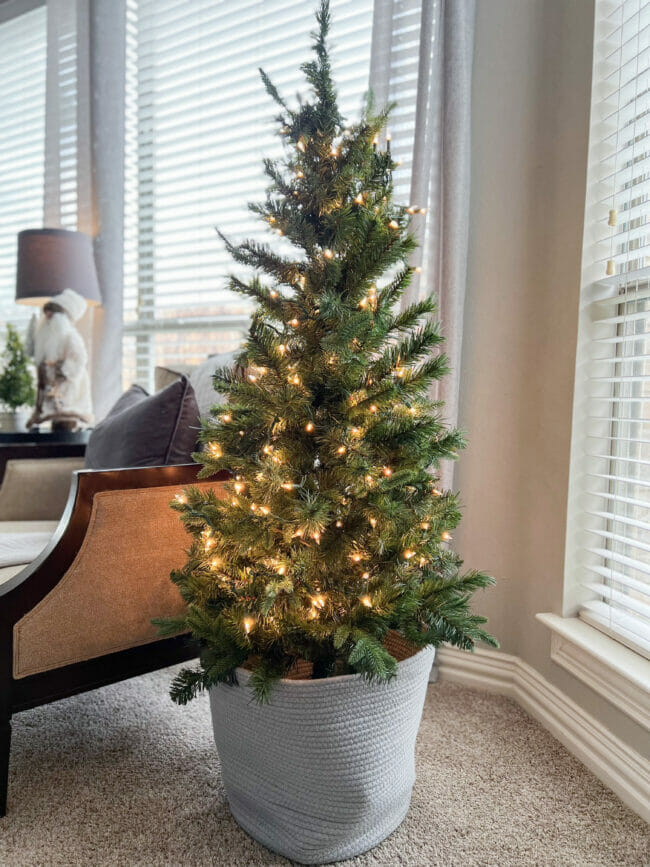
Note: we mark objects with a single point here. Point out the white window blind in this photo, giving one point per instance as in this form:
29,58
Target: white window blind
609,519
199,123
22,137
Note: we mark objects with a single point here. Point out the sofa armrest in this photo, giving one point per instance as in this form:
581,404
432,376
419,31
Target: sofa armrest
36,489
105,574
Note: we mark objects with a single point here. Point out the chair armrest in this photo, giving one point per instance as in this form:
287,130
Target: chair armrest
105,574
36,489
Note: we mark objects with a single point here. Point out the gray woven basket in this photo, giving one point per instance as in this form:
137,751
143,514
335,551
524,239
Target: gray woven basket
325,771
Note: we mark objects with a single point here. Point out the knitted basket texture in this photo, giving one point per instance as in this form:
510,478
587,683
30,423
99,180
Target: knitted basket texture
325,770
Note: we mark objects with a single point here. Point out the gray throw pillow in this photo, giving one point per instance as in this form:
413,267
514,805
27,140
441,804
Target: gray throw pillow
164,376
201,380
143,430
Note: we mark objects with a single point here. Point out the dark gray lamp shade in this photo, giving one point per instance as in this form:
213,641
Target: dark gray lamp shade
51,260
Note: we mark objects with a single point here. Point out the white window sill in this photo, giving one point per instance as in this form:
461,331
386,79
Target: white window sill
608,667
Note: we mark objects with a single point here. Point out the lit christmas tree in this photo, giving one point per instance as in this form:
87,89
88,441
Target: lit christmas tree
333,531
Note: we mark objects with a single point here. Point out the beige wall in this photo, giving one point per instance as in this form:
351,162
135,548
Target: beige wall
531,97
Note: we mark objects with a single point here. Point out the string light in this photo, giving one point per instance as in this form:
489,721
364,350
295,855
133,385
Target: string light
282,349
295,379
215,450
394,224
209,544
301,146
356,557
408,554
253,507
318,601
356,431
366,576
387,471
294,322
334,151
267,449
300,174
316,537
181,498
367,601
281,570
264,510
239,487
425,525
329,254
309,427
248,624
241,433
271,219
446,536
373,407
341,450
372,522
288,486
273,294
252,377
339,523
418,269
369,480
226,418
359,199
215,563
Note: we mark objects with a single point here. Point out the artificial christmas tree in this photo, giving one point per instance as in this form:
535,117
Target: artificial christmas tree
16,383
331,549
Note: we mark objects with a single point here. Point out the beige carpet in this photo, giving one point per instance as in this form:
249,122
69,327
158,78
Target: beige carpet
121,776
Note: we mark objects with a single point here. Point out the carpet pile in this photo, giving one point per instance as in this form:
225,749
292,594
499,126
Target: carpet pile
121,776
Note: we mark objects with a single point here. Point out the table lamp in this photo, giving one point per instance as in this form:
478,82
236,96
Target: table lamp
51,260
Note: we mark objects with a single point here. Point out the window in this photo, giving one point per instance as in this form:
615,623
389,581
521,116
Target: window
198,125
22,142
608,543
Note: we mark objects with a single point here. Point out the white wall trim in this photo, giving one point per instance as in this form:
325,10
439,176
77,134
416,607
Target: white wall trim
618,766
608,667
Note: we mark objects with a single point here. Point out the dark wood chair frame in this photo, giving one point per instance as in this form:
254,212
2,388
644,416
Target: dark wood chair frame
25,590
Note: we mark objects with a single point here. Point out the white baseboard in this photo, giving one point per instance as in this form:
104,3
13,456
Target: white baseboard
622,769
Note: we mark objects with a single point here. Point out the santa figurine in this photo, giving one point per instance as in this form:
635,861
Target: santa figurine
63,395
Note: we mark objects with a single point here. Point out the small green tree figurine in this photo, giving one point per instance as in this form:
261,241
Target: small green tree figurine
16,379
333,530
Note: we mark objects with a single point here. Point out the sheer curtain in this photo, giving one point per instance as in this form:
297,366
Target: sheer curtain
84,161
422,58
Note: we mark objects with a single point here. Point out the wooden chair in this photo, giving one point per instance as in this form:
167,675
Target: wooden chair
79,616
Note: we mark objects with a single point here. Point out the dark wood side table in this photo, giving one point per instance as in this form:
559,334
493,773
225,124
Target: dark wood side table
59,444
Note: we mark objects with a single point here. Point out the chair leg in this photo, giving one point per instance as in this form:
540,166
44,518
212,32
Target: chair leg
5,748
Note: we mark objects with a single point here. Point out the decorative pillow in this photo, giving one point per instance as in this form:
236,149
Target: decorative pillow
164,376
201,380
144,430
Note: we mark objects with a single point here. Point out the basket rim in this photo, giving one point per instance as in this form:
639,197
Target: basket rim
244,675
